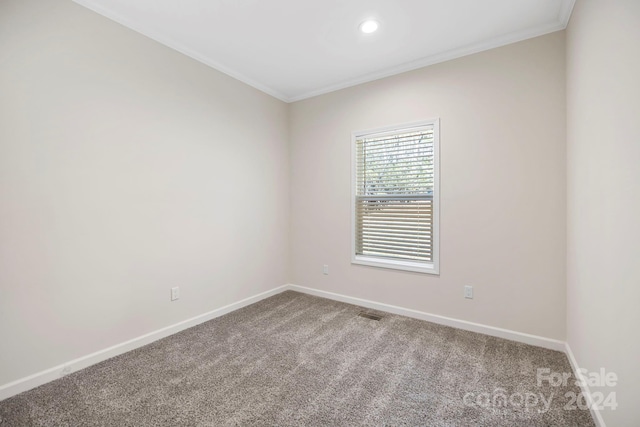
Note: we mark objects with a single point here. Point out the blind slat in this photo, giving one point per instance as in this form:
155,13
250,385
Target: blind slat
394,234
400,150
409,240
375,142
390,251
395,247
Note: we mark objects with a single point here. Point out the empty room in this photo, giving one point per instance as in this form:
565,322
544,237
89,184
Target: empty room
319,213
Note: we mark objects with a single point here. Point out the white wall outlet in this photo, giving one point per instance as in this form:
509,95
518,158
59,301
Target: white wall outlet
175,293
468,292
325,269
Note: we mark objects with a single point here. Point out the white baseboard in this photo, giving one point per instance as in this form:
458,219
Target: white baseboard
40,378
595,412
469,326
441,320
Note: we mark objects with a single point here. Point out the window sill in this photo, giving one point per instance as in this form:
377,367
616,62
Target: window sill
417,267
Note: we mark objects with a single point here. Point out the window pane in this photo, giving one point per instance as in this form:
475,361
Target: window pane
394,195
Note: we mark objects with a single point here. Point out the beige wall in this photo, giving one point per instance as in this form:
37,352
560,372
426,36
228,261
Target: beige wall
603,153
502,186
126,168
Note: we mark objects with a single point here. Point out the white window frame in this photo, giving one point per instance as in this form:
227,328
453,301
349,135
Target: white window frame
414,266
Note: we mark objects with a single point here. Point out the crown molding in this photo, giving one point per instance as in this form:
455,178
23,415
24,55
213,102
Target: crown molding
168,42
565,12
438,58
563,19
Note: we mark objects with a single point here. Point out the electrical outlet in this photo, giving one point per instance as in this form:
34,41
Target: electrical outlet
468,292
175,293
325,269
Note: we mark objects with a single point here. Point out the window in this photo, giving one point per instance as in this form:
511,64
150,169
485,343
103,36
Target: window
395,197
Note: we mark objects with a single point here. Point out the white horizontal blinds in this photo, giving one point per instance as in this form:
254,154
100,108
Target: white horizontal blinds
394,195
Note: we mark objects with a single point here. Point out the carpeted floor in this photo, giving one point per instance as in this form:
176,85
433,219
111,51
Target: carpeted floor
298,360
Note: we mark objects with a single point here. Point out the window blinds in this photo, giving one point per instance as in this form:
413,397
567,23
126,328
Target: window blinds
394,195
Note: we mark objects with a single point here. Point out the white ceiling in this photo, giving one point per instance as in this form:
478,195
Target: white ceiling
295,49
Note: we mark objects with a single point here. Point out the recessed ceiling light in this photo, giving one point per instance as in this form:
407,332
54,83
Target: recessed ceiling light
369,26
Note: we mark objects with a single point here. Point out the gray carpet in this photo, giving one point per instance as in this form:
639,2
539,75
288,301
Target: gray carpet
298,360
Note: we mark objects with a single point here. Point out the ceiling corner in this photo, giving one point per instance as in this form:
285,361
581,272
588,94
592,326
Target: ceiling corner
565,12
172,44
